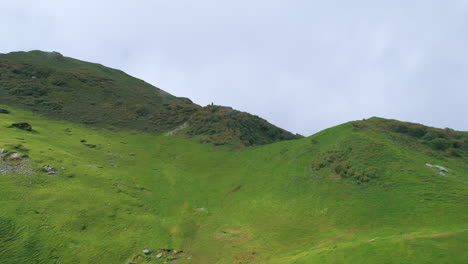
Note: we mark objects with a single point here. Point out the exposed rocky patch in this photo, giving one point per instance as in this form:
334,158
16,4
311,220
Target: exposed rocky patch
162,255
14,162
4,111
22,167
14,159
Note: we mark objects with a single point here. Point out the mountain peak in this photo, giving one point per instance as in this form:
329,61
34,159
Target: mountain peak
65,88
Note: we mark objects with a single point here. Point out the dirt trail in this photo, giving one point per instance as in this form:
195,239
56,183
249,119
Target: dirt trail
177,129
412,236
334,238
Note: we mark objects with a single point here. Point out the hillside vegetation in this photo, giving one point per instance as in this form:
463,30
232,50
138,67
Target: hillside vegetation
360,192
99,167
68,89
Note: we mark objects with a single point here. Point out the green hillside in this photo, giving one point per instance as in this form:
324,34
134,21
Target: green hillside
64,88
360,192
99,167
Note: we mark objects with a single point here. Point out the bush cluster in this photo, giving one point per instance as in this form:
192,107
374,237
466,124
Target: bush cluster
223,125
438,139
340,163
453,142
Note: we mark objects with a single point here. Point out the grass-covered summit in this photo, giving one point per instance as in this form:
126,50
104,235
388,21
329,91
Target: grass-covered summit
82,92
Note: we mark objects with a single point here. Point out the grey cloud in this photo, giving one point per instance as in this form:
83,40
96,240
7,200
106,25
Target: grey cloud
302,65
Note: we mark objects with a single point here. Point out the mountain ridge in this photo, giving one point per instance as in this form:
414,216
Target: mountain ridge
90,93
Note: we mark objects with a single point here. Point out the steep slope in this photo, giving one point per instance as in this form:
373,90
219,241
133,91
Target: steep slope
360,192
68,89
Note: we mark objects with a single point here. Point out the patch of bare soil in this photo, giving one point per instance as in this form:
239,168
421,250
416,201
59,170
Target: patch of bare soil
235,189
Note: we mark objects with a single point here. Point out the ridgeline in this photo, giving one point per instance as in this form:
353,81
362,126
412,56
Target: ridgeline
68,89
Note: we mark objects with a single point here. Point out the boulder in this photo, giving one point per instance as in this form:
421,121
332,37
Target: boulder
12,156
23,126
146,251
4,111
437,166
49,169
441,168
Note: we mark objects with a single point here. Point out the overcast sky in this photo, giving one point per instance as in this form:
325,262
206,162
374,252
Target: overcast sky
302,65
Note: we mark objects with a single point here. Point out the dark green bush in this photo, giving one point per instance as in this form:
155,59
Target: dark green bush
440,144
455,152
430,136
416,131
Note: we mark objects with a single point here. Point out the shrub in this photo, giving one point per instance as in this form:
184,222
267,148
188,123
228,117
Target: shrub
416,131
340,163
455,152
440,144
400,128
430,136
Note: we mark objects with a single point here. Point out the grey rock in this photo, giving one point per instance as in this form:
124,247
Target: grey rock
50,170
441,168
12,156
15,155
437,166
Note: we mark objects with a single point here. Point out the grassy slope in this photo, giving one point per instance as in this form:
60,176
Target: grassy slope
64,88
284,212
